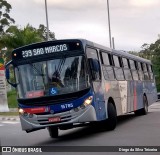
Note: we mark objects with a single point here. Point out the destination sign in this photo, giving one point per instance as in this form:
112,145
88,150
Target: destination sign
45,50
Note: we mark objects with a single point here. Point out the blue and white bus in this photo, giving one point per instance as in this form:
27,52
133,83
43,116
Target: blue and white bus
63,84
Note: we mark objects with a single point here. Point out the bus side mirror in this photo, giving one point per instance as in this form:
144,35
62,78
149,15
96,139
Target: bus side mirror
7,74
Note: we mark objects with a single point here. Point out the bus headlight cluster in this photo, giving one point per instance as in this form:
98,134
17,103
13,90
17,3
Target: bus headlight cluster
25,114
21,111
88,101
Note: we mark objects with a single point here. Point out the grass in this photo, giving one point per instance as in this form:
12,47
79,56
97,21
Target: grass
12,103
8,113
12,99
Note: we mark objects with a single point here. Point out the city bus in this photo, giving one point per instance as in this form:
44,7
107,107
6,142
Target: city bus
64,84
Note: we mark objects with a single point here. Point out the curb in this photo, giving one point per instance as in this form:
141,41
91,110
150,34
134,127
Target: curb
7,118
13,109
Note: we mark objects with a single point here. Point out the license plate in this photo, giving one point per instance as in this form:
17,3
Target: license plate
54,119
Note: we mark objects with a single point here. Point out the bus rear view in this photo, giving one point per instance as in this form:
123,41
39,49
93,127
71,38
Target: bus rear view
53,86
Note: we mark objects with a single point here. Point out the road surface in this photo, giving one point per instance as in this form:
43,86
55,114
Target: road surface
131,131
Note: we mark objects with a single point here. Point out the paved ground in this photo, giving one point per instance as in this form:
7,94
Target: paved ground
131,131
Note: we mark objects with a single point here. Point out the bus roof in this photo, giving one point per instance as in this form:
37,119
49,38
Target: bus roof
117,52
92,44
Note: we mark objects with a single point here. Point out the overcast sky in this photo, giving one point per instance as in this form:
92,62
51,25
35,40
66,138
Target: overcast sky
133,22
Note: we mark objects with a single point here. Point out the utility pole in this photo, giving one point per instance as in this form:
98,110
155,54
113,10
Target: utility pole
47,20
113,43
109,25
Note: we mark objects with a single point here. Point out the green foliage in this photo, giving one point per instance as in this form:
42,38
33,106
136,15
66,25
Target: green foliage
43,33
152,52
5,19
16,37
12,99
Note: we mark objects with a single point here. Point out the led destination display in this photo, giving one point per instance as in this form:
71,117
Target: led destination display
45,48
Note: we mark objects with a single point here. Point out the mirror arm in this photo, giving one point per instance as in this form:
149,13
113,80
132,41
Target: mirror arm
6,66
10,62
12,84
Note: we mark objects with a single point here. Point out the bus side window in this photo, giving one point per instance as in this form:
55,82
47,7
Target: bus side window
94,64
107,66
133,69
105,58
118,68
149,68
140,71
127,72
146,76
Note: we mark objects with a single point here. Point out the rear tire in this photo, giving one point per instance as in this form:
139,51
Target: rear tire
111,122
53,132
144,110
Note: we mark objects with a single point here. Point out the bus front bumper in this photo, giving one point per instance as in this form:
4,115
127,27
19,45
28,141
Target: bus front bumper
87,114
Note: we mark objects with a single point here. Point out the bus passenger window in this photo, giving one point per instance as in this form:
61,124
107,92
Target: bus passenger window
94,64
140,72
105,58
127,72
134,70
149,68
146,76
118,69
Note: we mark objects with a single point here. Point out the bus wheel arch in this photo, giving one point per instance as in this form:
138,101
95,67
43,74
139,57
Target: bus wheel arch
145,103
111,101
111,122
144,110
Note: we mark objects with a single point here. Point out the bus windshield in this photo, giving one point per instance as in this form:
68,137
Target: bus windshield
53,77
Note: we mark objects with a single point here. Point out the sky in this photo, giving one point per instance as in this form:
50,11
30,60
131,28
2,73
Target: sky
133,22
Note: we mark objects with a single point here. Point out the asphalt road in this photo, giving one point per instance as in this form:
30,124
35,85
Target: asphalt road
131,131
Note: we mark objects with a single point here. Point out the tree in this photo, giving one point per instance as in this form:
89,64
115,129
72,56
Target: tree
152,52
16,37
5,19
43,32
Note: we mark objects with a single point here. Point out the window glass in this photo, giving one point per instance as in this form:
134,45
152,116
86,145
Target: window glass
52,77
125,63
94,64
119,73
135,75
139,66
136,65
141,75
108,73
105,58
150,72
92,53
128,75
149,68
132,64
116,61
144,67
146,75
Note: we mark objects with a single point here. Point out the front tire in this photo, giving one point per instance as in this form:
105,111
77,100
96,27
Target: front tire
53,132
111,122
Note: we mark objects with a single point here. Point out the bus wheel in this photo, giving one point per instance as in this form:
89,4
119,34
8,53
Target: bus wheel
53,132
144,110
111,122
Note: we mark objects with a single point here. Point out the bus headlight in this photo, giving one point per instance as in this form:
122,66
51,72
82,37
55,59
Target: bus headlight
21,111
88,101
